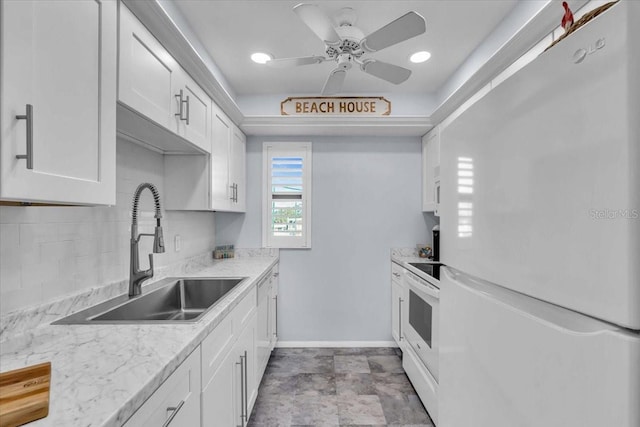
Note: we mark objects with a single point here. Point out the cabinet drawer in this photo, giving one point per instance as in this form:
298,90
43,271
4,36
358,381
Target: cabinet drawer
396,273
177,397
215,347
243,311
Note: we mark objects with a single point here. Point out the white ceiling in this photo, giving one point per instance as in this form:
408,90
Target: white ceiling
232,30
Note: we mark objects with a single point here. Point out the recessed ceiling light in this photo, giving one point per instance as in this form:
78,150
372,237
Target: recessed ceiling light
419,57
261,58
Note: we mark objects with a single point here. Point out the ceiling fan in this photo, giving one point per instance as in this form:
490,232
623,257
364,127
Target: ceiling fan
347,44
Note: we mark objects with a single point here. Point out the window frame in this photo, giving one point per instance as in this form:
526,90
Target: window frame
286,149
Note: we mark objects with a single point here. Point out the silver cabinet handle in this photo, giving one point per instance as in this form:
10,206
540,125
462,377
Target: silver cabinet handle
188,115
243,383
246,390
275,320
236,192
181,102
400,319
396,274
174,411
233,192
29,118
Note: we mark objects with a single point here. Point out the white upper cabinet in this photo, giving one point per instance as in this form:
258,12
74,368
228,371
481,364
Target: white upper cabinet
221,192
193,114
228,154
147,72
216,182
152,83
237,170
431,171
57,113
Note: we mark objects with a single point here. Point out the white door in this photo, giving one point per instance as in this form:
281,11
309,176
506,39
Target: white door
510,360
220,145
246,346
220,398
60,58
192,113
273,311
238,169
147,81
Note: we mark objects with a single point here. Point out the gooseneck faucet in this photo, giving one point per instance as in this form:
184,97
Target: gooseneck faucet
137,276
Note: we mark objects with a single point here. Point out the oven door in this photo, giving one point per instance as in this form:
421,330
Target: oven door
422,329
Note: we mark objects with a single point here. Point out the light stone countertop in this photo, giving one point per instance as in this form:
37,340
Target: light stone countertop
101,374
404,256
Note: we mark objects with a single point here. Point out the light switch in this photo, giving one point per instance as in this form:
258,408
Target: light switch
177,243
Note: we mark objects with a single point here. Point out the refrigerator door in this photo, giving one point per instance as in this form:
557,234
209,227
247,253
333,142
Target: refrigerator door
510,360
541,176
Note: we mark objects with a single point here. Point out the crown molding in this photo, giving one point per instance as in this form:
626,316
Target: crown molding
336,125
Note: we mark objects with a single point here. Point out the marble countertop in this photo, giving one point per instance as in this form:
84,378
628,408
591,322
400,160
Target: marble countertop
404,257
101,374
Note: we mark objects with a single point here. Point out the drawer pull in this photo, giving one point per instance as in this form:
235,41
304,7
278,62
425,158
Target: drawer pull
174,411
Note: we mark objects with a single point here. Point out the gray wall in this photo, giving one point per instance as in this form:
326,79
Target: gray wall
366,200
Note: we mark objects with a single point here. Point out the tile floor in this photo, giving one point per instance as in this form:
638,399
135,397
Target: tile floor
337,386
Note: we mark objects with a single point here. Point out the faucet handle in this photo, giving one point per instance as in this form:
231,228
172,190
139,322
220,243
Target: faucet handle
150,270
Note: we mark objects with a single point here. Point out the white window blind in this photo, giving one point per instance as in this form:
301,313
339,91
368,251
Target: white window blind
287,195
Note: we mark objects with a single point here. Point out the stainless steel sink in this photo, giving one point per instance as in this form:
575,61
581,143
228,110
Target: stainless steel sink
172,300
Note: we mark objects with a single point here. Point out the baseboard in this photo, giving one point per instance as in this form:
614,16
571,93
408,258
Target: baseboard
288,344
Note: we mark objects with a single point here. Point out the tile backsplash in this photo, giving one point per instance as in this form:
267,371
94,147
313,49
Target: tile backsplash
49,252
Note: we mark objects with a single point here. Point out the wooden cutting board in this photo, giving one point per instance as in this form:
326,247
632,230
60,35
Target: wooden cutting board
24,395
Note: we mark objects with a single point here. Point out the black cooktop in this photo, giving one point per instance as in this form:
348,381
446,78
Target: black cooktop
432,270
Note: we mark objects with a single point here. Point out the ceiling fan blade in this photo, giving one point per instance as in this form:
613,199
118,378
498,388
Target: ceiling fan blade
403,28
318,22
335,81
389,72
294,62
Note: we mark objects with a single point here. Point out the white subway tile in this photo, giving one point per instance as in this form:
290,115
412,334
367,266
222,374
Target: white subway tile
33,234
33,276
9,239
55,251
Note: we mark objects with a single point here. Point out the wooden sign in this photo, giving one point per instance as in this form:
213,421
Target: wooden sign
335,106
24,395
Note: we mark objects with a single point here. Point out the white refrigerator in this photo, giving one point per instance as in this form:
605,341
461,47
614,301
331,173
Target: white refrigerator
540,220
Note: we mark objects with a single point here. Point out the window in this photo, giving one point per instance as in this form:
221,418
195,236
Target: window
286,218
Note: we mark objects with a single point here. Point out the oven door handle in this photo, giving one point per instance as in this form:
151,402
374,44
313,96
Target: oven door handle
424,287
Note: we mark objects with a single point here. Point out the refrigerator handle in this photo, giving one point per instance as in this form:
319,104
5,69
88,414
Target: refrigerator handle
543,312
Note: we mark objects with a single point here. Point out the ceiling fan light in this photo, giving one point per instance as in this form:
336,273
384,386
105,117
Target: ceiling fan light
419,57
261,57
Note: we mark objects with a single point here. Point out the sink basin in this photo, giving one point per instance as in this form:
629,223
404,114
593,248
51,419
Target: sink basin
172,300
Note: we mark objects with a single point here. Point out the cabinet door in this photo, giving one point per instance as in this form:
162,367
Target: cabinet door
193,112
246,346
221,397
147,81
220,144
273,311
430,169
238,169
396,312
176,401
60,58
263,338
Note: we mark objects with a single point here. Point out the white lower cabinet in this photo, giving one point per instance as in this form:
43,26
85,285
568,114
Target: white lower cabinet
176,402
398,305
273,310
228,398
266,326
